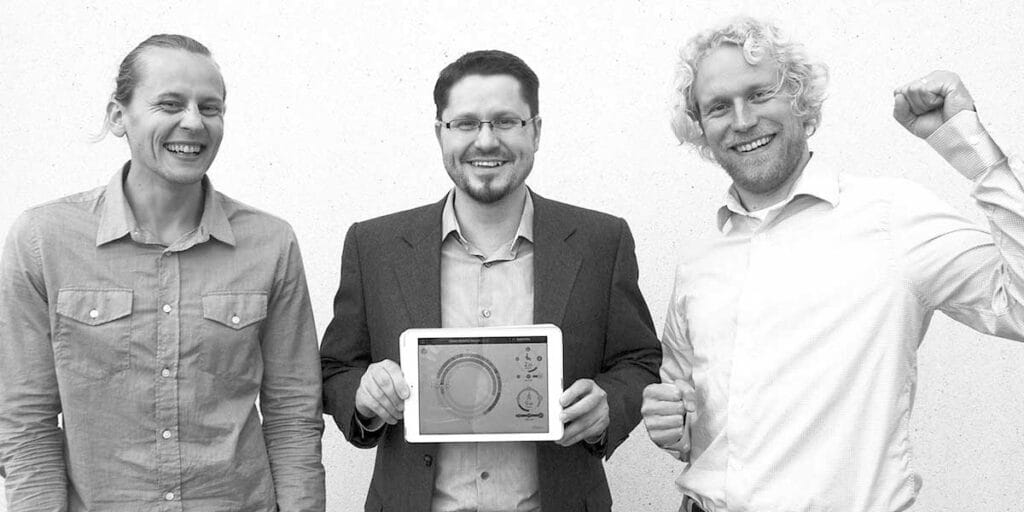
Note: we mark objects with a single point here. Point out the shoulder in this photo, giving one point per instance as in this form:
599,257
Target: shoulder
242,214
51,219
548,210
894,192
393,222
57,210
381,232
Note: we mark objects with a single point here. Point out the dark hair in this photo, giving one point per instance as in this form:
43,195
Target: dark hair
128,73
487,63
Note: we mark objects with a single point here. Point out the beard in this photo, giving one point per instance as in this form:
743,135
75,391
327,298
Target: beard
491,188
767,172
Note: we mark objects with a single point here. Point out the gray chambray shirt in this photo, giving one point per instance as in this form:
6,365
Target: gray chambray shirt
155,356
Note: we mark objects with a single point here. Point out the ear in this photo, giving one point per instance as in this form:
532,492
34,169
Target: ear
536,133
115,118
437,133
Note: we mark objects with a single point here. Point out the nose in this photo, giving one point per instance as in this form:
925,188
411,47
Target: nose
485,138
191,119
744,117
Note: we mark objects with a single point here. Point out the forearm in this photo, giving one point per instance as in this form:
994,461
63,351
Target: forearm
31,444
965,144
291,390
293,448
33,461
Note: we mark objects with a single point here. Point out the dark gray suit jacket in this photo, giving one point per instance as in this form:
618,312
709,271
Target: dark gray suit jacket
585,282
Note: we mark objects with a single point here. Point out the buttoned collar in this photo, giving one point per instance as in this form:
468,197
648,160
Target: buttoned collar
117,219
819,180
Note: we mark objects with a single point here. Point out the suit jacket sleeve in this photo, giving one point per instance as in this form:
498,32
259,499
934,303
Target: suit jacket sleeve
632,352
345,352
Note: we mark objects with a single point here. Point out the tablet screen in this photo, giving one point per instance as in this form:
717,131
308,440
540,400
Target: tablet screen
483,385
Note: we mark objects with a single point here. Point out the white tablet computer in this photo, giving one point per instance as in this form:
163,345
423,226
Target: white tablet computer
483,384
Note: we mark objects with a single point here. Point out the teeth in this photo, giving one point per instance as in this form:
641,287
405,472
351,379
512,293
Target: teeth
183,148
750,146
488,163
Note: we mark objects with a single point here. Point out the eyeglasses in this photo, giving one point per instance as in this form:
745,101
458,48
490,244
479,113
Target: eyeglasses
503,124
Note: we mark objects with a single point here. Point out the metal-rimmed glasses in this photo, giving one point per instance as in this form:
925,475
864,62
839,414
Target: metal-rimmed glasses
500,125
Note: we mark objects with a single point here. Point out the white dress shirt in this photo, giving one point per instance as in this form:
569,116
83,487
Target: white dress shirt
800,330
479,290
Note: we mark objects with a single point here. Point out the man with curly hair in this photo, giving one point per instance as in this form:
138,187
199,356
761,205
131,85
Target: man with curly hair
790,344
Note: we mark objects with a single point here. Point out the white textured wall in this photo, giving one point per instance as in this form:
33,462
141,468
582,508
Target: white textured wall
330,121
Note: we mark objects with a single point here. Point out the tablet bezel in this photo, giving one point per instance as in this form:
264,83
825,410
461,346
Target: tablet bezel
409,360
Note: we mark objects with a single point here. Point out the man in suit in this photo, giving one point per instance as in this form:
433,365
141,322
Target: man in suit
490,253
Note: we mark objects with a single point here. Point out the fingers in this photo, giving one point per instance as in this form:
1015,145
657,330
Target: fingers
921,95
665,431
663,392
901,111
667,399
581,398
575,391
663,411
586,426
939,90
585,412
382,392
689,394
394,372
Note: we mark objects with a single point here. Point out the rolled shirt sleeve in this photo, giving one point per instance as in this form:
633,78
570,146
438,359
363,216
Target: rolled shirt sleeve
290,394
31,444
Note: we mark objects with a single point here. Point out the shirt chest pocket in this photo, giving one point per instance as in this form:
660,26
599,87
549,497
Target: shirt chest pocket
93,331
229,344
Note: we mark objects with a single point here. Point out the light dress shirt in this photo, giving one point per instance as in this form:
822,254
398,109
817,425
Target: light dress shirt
155,355
486,290
800,331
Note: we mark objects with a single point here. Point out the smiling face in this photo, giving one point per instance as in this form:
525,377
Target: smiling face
488,165
750,128
174,121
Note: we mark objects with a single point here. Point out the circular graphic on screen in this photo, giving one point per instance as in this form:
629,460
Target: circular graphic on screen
469,385
529,399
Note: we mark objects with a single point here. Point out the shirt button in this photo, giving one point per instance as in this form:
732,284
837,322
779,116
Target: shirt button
166,434
166,372
486,313
235,320
428,460
94,314
488,264
169,496
167,308
485,475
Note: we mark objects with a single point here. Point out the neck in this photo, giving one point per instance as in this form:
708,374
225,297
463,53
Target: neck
754,201
166,210
488,226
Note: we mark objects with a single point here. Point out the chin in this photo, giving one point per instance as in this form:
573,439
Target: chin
186,177
486,194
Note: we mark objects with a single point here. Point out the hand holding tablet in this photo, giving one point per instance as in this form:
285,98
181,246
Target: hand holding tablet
382,393
482,384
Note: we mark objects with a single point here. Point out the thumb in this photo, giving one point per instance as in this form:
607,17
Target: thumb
689,394
901,111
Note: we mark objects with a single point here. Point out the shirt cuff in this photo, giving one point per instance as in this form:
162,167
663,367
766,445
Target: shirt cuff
599,440
966,145
370,426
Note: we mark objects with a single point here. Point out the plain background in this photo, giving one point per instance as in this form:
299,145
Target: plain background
330,118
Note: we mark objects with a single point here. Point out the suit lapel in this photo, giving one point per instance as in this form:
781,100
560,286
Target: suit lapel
418,268
556,262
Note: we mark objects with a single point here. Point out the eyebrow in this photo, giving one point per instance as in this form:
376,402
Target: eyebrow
181,97
495,115
723,97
